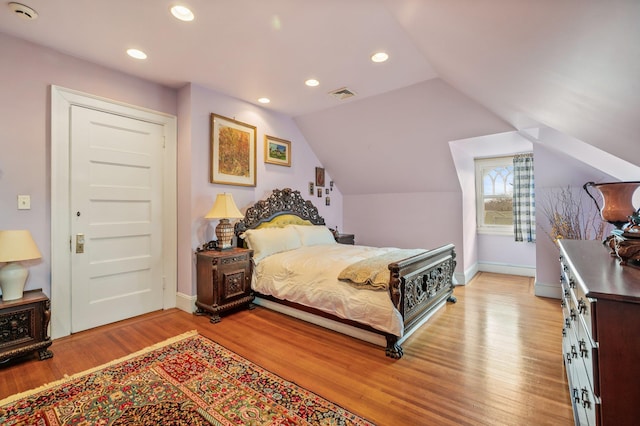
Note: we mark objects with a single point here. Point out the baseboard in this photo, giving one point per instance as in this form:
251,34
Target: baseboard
185,302
463,278
499,268
552,291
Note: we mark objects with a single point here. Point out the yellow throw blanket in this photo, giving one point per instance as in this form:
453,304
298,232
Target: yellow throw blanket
373,273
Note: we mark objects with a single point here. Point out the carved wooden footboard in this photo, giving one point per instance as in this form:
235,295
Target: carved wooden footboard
418,285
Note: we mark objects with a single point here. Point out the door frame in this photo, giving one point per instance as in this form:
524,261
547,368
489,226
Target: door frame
61,101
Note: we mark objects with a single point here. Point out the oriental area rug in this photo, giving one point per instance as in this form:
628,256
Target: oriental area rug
187,380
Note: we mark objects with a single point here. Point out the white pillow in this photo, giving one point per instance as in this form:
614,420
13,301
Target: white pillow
267,241
314,235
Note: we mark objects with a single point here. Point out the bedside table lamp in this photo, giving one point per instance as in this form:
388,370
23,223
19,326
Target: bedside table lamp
15,246
224,209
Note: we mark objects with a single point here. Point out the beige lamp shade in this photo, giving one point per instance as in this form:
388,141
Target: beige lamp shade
224,208
15,246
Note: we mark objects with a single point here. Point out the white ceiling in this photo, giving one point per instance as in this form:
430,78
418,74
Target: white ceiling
573,65
244,48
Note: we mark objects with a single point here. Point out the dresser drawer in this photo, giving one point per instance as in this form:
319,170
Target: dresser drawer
585,306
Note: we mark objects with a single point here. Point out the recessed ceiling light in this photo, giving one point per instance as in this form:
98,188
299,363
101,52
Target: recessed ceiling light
183,13
135,53
379,57
264,100
312,82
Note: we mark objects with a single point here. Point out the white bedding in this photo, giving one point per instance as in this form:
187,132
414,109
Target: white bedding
309,276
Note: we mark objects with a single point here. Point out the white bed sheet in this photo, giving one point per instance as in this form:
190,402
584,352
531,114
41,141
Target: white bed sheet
308,276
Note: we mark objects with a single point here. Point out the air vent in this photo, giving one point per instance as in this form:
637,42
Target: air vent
25,12
343,93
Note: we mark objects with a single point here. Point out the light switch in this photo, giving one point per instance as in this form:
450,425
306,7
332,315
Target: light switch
24,202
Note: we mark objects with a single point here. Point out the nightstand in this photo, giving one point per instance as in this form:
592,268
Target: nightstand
345,238
224,281
23,326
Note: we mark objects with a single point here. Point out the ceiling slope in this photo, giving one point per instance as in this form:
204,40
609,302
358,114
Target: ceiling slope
397,142
572,65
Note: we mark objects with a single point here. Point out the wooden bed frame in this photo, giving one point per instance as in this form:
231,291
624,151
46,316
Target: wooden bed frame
418,285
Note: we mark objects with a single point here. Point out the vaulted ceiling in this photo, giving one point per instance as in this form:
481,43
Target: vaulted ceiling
457,68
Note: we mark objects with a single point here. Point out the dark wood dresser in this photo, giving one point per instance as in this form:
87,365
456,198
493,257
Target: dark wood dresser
224,281
601,334
24,326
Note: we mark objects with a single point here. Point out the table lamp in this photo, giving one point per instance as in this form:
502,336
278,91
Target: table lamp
15,246
224,208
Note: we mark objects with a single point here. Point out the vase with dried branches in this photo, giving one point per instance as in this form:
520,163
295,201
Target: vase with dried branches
570,215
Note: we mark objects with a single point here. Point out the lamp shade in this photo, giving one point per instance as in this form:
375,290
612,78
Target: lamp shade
224,208
17,245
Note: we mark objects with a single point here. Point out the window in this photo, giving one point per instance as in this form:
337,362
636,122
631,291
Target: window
494,195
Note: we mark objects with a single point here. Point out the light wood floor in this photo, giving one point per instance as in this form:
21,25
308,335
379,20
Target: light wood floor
493,358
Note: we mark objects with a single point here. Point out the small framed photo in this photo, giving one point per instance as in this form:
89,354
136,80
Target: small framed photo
277,151
327,201
327,191
319,192
312,188
320,176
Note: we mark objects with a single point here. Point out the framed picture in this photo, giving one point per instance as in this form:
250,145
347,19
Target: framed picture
277,151
233,152
319,192
311,188
320,176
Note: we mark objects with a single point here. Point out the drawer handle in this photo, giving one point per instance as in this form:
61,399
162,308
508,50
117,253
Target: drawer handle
567,322
564,332
582,306
572,283
585,398
574,315
583,349
574,351
568,356
563,303
576,396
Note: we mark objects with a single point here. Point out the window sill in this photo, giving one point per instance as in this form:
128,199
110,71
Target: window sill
507,231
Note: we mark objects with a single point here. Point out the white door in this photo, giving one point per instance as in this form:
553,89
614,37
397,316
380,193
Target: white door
116,217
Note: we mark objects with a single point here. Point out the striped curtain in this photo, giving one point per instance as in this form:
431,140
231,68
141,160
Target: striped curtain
524,204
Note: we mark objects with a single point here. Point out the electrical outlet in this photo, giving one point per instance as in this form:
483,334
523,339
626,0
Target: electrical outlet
24,202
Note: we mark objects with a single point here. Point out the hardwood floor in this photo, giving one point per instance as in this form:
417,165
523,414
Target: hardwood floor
493,358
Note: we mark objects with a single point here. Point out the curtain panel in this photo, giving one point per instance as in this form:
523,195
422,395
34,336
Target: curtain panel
524,204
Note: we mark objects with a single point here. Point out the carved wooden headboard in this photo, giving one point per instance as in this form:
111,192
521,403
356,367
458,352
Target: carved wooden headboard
281,202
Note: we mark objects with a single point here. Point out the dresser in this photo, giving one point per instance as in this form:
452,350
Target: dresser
23,326
224,281
601,334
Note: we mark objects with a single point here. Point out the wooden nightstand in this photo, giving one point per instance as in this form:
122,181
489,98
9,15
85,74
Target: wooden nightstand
224,281
345,238
23,326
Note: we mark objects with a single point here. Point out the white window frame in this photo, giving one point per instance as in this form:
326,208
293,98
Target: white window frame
482,164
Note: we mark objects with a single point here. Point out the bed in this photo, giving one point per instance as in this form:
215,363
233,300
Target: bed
384,292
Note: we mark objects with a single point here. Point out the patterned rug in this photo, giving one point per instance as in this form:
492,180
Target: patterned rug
188,380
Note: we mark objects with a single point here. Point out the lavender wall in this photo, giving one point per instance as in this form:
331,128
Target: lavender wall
196,193
26,73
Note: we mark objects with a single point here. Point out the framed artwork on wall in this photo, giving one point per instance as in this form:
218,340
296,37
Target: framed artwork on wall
277,151
233,152
320,177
